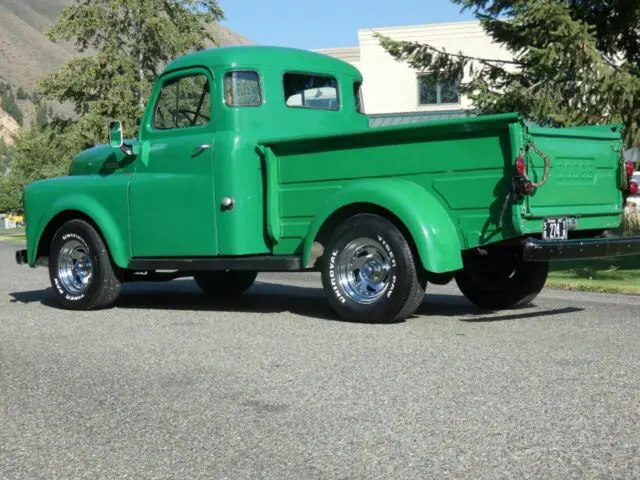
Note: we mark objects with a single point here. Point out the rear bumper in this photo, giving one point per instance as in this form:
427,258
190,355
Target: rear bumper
21,257
536,250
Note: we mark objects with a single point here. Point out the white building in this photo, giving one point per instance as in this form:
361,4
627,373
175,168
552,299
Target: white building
393,89
394,92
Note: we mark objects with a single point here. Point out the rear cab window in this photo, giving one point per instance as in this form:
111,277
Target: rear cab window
312,91
357,92
242,89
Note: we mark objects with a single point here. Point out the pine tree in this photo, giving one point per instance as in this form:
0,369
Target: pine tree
42,114
22,94
5,158
133,40
9,105
38,153
573,62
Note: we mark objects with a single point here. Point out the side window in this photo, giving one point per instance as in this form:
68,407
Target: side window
311,91
242,89
184,102
357,92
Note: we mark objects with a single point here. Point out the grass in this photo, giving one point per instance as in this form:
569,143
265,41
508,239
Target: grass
611,275
15,235
618,275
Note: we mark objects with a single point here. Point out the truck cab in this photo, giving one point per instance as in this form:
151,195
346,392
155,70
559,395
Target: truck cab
193,187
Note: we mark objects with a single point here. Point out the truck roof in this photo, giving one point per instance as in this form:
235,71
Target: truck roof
256,56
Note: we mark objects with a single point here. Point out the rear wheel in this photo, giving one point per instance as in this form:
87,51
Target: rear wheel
501,278
81,272
223,284
370,273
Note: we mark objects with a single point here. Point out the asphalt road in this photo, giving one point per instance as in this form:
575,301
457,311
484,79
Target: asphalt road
170,386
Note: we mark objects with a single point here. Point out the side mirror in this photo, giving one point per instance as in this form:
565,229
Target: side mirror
116,135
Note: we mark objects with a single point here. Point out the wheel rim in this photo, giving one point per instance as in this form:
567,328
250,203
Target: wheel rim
75,268
363,271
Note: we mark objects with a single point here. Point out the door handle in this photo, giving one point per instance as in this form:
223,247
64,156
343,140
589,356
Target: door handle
198,150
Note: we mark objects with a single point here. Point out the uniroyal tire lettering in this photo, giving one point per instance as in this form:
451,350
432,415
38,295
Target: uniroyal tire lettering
58,286
67,236
392,287
73,299
387,247
332,276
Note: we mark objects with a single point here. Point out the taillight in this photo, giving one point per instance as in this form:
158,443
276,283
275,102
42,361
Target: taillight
522,184
630,168
633,188
521,168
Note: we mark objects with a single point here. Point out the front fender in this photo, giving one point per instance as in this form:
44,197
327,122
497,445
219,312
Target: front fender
89,206
431,227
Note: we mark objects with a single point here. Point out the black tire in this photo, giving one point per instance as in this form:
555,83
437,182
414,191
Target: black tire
502,279
223,284
103,283
401,288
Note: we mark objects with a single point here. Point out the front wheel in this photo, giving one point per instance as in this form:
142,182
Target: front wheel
370,272
80,268
499,278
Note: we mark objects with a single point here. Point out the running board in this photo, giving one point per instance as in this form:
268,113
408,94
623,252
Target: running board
259,263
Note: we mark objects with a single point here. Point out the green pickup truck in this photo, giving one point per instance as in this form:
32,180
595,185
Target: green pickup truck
256,159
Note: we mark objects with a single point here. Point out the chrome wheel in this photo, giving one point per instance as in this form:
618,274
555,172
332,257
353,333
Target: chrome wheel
75,268
363,270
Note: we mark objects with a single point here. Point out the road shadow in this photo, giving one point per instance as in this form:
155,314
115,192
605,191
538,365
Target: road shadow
458,306
265,297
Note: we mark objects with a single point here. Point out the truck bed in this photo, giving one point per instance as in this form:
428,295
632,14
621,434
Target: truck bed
466,164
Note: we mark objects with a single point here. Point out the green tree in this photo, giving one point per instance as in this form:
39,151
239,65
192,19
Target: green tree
38,153
132,39
9,105
573,61
42,114
22,94
5,158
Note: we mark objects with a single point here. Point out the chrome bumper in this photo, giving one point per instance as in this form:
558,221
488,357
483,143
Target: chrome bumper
536,250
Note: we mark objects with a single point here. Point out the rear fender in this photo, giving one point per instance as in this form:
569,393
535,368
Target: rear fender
430,226
88,206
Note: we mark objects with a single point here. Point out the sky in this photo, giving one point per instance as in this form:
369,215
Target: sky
313,24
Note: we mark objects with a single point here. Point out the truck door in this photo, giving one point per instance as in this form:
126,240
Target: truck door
172,207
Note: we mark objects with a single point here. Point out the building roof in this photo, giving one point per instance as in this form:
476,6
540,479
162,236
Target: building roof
253,55
348,54
389,119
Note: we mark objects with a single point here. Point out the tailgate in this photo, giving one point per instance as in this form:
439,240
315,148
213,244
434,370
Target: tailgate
584,175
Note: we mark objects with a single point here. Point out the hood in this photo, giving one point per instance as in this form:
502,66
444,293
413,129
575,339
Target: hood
98,159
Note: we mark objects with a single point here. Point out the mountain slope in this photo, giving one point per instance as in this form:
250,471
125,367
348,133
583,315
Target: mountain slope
26,54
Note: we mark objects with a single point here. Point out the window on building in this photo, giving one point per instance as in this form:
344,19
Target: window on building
242,89
183,102
311,91
357,92
438,93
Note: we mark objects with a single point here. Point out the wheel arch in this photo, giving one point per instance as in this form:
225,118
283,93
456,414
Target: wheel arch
100,221
429,230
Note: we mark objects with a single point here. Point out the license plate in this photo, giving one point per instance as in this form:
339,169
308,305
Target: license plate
555,229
